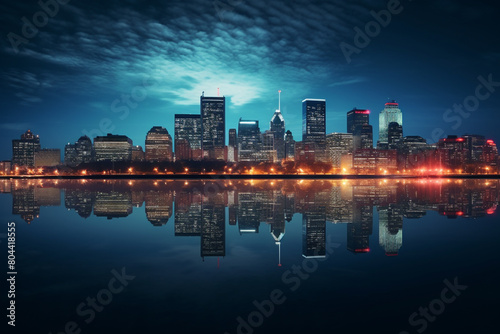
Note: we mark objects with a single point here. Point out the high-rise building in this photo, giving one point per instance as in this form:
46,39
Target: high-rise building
232,149
187,137
213,119
356,118
452,152
268,152
394,135
363,137
137,153
158,145
113,148
391,113
48,157
82,151
289,146
249,141
277,126
23,150
314,127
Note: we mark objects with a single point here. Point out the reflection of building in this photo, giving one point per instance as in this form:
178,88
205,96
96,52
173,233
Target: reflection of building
80,200
48,157
158,145
213,230
213,119
390,229
24,203
23,150
112,204
314,225
187,214
359,231
158,207
80,152
187,137
249,212
113,148
314,127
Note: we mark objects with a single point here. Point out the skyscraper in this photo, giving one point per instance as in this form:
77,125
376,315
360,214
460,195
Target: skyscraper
357,117
249,140
158,145
391,113
314,126
23,150
289,145
187,137
213,119
277,126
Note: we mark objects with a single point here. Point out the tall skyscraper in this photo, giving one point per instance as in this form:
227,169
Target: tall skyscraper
356,118
213,119
289,145
158,145
314,127
23,150
113,148
277,126
394,135
187,137
391,113
249,141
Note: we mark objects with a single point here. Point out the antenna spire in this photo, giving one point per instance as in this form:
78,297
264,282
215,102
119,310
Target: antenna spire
279,100
218,91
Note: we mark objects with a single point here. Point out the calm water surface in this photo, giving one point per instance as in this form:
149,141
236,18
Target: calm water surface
253,256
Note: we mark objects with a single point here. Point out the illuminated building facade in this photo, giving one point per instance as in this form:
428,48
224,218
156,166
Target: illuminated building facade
249,141
213,133
232,149
113,148
158,145
187,137
391,113
289,146
23,150
314,128
338,144
357,118
137,153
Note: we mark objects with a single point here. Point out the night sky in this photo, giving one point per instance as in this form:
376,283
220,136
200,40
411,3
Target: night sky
125,66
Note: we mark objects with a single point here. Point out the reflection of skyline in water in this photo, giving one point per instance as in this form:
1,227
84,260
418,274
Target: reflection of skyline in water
199,207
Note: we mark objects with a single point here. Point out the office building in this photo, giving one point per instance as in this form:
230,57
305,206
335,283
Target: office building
391,113
23,150
289,146
356,118
158,145
249,141
314,127
113,148
82,151
187,137
213,119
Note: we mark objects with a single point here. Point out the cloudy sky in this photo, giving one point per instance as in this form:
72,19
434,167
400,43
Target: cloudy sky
90,67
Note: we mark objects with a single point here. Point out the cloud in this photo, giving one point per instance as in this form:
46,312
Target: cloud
186,47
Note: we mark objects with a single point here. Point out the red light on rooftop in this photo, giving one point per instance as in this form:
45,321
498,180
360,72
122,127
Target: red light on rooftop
362,250
366,112
491,142
391,254
460,139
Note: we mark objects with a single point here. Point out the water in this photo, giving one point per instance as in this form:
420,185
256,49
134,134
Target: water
247,256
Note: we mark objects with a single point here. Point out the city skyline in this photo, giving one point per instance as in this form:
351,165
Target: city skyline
165,53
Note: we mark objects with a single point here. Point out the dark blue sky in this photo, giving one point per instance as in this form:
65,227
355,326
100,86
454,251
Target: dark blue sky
130,65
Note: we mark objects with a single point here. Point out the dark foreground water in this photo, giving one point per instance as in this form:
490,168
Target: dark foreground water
252,256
